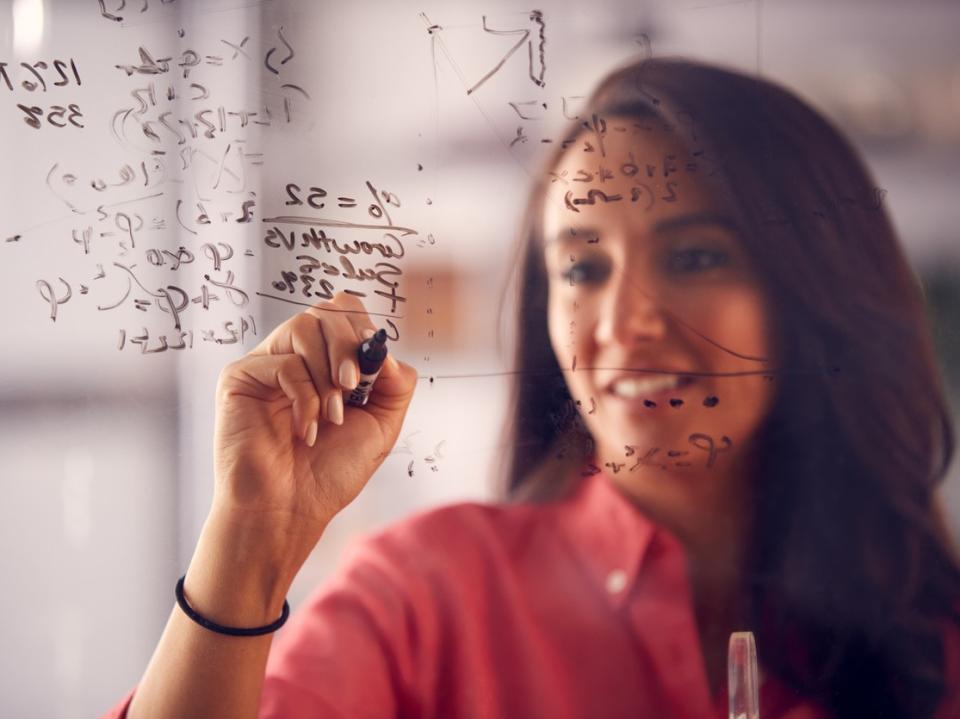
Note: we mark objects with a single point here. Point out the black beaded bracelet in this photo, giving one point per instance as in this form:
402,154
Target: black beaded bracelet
232,631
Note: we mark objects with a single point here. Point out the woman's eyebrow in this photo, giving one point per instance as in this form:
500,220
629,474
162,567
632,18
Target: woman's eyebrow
590,234
574,234
696,218
663,227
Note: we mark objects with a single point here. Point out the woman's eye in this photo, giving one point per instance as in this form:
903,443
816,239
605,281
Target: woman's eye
583,272
696,260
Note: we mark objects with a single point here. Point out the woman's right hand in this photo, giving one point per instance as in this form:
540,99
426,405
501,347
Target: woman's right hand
289,454
274,494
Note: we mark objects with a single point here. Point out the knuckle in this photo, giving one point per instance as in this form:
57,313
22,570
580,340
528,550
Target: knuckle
320,309
302,322
348,301
228,371
227,380
293,366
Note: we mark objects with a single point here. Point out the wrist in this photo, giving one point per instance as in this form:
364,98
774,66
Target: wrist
213,626
242,570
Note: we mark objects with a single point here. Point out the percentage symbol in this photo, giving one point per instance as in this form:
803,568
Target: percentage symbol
378,209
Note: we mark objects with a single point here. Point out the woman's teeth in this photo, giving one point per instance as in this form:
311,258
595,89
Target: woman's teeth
631,388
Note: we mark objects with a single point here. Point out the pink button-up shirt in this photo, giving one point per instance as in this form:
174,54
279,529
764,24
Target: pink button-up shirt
577,608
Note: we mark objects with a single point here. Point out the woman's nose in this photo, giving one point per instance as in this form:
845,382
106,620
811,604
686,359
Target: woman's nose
631,311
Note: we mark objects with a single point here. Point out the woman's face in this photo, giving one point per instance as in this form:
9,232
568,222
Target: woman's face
654,307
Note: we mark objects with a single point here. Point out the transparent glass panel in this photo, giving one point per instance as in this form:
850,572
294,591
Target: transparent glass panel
691,343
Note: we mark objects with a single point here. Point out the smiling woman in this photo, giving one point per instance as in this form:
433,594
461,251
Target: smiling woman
706,268
667,324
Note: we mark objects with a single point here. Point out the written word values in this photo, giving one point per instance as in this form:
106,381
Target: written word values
381,272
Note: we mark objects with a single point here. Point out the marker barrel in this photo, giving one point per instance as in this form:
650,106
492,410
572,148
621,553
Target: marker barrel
370,357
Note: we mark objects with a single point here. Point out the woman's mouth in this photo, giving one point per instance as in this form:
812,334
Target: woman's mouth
649,392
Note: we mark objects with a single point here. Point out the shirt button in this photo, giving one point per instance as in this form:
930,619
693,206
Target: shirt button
616,581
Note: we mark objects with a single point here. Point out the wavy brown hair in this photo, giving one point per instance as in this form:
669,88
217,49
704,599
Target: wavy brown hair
853,577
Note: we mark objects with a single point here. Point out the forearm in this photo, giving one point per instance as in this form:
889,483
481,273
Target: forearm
235,580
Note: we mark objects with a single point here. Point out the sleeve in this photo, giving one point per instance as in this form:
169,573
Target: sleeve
120,710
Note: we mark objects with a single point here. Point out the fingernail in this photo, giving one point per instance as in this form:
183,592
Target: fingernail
348,375
335,408
367,333
312,433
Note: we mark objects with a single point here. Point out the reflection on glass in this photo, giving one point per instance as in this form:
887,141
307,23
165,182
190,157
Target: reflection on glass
742,680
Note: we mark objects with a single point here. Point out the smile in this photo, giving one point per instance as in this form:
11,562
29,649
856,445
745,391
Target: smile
633,387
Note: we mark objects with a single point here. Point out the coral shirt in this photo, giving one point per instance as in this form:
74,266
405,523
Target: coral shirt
577,608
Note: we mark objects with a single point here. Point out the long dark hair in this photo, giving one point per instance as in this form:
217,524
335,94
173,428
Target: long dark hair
853,577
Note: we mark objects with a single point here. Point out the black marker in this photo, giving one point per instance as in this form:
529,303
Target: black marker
370,357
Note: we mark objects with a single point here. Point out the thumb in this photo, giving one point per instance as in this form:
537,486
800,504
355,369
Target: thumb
394,385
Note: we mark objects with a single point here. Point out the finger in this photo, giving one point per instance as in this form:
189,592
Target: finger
395,384
338,327
311,339
391,396
353,310
289,374
391,381
326,337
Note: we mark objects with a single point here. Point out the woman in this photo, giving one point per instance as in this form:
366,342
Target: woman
726,417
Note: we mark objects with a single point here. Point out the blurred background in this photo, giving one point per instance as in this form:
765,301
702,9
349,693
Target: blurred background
158,156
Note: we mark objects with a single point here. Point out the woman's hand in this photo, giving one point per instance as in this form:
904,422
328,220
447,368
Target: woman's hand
289,454
274,494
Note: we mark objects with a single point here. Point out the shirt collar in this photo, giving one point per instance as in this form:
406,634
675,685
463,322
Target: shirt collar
607,534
